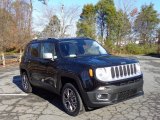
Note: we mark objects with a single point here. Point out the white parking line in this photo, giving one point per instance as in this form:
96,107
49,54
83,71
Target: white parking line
10,94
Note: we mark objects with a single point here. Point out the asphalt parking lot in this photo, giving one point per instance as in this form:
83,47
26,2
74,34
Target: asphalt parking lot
42,105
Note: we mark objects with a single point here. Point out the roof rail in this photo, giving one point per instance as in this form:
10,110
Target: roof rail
75,38
51,39
38,39
34,40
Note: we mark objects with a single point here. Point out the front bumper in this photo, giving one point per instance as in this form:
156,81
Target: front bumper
115,92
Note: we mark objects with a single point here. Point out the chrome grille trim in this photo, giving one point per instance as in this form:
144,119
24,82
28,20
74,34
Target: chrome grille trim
124,71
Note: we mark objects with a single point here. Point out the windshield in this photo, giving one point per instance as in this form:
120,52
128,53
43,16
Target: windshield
75,48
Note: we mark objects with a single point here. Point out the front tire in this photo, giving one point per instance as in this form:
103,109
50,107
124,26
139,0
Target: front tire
71,100
26,84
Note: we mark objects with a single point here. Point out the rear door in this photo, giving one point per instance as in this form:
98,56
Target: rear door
36,66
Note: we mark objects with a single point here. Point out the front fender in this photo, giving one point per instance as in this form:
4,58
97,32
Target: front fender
71,76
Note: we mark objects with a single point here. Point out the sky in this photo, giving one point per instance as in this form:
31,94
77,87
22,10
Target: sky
38,22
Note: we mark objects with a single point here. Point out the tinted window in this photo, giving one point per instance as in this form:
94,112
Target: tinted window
48,48
34,50
73,48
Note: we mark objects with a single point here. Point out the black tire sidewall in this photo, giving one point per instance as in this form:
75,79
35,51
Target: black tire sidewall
79,101
29,89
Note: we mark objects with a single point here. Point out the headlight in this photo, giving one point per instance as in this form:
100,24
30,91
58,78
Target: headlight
103,74
138,68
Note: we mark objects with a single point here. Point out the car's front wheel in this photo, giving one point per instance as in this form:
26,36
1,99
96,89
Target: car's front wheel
71,100
26,84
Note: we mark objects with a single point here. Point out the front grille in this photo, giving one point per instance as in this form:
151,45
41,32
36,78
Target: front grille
125,82
131,68
135,71
113,73
123,71
128,69
126,94
117,72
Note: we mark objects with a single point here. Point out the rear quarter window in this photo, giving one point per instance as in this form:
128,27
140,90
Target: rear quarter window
34,50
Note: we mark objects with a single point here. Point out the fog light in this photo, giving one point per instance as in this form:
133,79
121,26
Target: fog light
102,96
101,88
99,96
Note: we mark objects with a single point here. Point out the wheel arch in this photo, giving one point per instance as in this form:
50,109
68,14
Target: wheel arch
70,79
75,81
22,71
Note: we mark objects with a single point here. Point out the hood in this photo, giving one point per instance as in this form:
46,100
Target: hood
104,61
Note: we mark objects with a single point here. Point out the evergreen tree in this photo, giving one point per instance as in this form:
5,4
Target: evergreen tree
146,22
86,23
121,27
106,12
52,29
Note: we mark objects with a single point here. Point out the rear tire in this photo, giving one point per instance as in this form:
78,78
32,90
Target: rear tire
71,100
26,84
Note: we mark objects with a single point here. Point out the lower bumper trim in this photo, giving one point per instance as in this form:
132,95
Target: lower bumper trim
115,93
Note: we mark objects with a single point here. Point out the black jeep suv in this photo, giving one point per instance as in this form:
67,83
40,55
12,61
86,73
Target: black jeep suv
81,71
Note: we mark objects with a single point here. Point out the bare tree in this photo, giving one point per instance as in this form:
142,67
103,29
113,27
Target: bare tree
23,17
128,7
15,24
158,37
44,1
5,25
66,17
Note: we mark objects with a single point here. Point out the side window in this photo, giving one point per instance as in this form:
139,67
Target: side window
34,50
48,48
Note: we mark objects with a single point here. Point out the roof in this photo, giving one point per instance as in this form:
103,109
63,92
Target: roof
73,38
59,39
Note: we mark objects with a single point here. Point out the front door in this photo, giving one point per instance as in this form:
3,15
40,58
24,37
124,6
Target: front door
50,58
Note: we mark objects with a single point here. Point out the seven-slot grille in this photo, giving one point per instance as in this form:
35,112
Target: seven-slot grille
123,71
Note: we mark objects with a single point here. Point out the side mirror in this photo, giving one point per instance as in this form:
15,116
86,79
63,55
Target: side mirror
48,56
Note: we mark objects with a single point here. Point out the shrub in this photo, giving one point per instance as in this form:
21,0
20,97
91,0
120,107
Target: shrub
134,49
109,45
131,48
